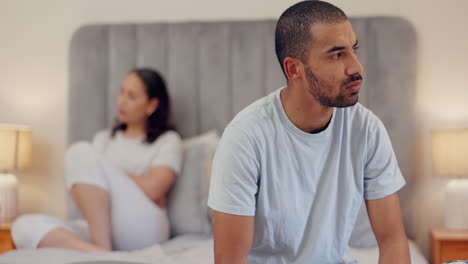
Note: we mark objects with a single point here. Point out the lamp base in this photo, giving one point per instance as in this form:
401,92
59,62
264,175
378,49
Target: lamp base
8,197
456,204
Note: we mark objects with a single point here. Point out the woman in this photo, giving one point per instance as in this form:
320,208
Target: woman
119,182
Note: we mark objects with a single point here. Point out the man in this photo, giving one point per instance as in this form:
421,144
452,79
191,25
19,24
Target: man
291,169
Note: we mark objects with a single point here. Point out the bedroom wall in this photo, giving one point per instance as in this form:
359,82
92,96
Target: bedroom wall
34,39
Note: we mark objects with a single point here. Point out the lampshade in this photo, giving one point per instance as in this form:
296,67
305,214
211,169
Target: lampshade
15,147
450,153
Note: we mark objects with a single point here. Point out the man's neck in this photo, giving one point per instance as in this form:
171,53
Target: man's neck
303,109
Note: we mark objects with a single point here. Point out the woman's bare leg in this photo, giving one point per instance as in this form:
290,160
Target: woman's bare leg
94,203
62,238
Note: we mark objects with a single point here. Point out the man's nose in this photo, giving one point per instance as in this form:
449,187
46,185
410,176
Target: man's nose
354,67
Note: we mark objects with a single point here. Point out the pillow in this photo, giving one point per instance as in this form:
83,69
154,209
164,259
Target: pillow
362,235
187,201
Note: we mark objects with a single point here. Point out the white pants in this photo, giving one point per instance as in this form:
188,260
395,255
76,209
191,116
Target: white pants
136,221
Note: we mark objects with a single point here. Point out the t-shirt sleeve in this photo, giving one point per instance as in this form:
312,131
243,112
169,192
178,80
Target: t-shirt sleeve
170,152
234,175
382,176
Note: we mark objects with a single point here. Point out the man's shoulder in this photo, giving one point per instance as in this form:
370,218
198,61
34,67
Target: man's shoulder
362,120
256,115
360,113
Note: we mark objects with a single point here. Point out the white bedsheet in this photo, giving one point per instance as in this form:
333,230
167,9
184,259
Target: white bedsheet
371,255
180,250
59,256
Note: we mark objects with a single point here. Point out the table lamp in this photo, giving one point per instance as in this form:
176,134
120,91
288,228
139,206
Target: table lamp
450,159
15,154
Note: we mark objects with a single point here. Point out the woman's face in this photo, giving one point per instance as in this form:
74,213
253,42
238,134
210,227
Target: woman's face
133,103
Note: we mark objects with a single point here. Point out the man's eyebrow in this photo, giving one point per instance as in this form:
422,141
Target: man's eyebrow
338,48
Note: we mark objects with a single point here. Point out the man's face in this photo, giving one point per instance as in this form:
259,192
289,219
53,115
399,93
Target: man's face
332,70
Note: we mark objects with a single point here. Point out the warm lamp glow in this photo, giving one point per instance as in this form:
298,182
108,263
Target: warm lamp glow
450,153
450,159
15,147
15,154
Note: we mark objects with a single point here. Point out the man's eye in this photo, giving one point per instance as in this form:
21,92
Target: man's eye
355,49
337,55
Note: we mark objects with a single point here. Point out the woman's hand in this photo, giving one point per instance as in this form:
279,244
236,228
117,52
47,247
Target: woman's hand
144,184
156,184
162,202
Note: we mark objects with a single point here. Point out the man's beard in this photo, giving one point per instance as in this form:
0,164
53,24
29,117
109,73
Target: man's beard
319,89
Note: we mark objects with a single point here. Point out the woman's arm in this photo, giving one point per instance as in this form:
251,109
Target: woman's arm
156,184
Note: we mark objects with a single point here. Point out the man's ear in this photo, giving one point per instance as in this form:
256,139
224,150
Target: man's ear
153,106
293,68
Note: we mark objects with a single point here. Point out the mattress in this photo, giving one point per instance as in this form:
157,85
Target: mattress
180,250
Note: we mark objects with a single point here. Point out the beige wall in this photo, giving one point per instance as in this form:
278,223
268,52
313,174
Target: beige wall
34,40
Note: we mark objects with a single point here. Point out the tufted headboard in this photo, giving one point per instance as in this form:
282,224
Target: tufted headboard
214,69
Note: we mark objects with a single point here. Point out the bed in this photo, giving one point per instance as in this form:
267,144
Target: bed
180,250
213,70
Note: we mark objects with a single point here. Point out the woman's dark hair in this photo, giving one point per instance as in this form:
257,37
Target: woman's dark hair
158,122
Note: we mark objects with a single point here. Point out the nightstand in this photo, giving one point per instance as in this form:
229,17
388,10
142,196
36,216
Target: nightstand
449,245
6,243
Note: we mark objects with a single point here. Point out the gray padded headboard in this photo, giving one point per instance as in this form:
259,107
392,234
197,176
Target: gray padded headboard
214,69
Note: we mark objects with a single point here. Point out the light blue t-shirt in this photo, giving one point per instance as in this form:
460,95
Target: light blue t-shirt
305,190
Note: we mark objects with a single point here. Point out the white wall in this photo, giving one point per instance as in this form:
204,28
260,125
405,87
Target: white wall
34,42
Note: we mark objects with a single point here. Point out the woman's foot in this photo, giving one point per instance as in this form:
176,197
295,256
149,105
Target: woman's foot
62,238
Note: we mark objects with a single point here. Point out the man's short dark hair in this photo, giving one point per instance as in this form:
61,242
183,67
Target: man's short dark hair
293,33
